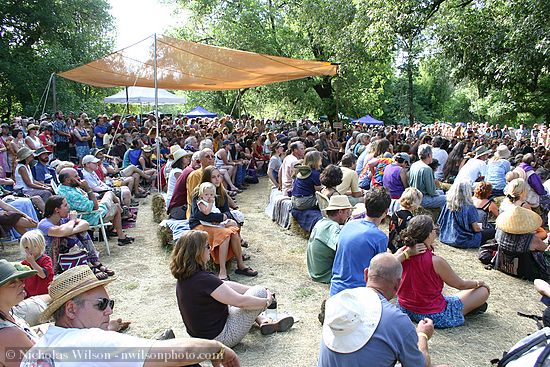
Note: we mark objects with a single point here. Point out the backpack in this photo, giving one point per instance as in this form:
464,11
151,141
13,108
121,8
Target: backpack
378,173
531,351
398,222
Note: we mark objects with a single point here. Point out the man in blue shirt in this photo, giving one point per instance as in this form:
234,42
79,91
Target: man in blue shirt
40,171
360,240
100,130
362,328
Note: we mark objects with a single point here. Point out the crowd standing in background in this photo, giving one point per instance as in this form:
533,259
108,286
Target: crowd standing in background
474,185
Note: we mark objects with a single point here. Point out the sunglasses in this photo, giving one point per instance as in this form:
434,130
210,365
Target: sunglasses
102,304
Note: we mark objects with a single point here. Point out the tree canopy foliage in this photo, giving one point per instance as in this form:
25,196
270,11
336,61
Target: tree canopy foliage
39,37
451,60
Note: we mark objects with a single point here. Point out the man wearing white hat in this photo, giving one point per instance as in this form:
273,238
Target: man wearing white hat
361,325
81,308
476,168
321,247
90,164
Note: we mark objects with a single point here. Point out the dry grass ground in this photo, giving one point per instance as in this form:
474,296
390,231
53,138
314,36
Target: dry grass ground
145,294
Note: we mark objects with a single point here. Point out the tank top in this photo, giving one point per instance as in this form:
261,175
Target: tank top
35,141
421,286
19,183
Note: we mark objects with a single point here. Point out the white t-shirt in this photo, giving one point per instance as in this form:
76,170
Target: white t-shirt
441,157
65,347
286,172
472,170
171,185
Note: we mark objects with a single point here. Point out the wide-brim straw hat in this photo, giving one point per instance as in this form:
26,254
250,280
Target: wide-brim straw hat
147,149
179,154
338,202
9,271
33,127
24,153
503,152
174,148
518,220
70,284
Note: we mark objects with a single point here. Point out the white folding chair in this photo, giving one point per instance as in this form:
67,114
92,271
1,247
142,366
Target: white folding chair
101,225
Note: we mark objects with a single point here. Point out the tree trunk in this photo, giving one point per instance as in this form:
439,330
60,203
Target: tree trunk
326,93
410,89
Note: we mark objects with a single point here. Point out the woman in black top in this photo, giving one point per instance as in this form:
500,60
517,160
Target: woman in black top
211,308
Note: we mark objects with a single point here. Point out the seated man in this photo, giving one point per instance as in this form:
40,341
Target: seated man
90,165
362,325
350,180
360,240
421,177
321,247
81,308
81,197
40,171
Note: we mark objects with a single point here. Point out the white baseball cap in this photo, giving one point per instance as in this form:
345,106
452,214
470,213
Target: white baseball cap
89,159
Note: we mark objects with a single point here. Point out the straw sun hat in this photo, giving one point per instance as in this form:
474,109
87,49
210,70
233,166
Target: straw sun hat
70,284
338,202
518,220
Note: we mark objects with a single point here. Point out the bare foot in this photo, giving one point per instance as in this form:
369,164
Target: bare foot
542,287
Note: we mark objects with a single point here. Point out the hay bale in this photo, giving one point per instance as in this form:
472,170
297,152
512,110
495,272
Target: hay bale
159,208
165,236
296,229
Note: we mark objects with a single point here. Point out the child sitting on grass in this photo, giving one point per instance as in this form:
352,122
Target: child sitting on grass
33,244
206,204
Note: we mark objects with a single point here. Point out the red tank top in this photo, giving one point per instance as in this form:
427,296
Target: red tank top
421,286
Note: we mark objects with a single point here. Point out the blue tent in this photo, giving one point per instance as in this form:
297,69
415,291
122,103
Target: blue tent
367,120
200,112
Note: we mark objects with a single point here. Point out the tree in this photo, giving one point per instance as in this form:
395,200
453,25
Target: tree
311,29
38,38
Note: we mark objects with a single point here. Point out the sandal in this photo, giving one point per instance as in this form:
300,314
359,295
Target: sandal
125,241
248,271
99,274
244,243
283,324
105,269
245,257
225,279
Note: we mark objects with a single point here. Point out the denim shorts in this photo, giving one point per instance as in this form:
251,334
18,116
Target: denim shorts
451,316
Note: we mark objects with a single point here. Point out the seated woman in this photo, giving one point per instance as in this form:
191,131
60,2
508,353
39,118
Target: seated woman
211,308
24,180
224,242
459,221
275,162
483,201
424,276
330,178
63,231
307,182
520,252
14,331
516,196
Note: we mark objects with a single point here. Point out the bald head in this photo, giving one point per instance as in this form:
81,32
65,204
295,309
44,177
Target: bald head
66,174
384,274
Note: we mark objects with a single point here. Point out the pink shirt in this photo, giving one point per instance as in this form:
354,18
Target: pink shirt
421,286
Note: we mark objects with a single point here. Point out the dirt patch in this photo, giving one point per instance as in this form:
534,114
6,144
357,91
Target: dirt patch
145,293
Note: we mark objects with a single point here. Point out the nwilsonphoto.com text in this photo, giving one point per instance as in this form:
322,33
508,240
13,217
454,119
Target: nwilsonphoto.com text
128,354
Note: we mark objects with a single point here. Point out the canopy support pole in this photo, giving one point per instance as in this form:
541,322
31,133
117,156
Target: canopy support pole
127,102
157,138
54,94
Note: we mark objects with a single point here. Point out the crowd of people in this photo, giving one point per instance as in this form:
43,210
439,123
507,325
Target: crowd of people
470,185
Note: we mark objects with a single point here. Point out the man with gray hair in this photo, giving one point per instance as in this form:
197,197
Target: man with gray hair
362,325
421,177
